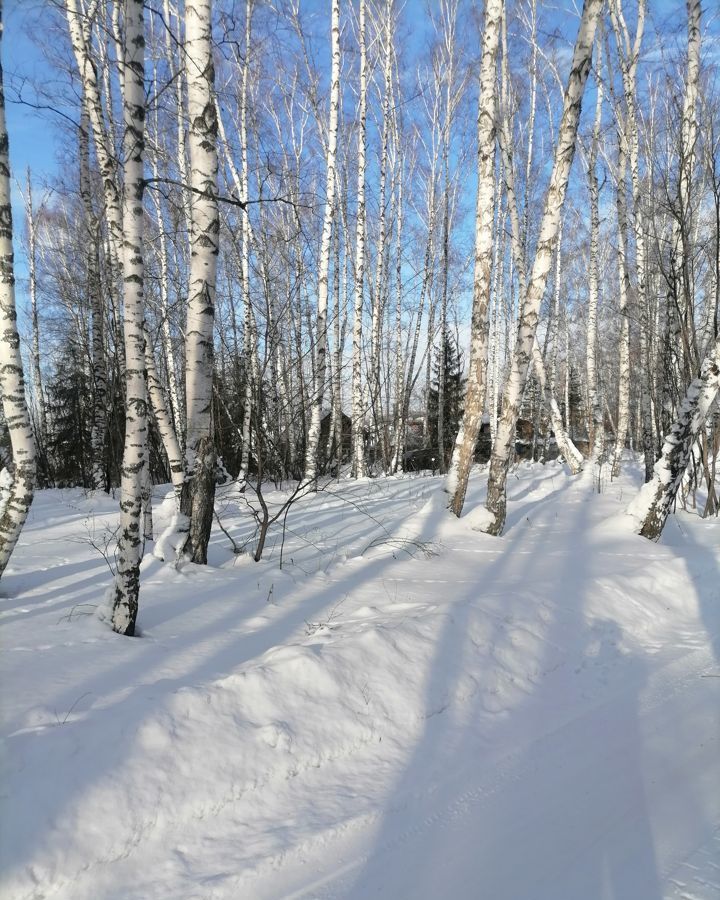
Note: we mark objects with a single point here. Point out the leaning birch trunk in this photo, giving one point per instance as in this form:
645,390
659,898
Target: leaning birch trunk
311,453
527,326
655,499
358,438
566,447
133,472
464,450
198,494
16,504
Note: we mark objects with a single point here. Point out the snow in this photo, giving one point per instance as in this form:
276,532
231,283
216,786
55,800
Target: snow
405,708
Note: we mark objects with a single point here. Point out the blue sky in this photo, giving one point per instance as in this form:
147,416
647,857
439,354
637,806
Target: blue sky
34,134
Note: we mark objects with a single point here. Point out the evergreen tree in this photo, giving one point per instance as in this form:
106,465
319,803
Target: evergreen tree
448,360
69,394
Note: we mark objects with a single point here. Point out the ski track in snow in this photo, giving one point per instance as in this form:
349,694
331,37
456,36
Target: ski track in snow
408,709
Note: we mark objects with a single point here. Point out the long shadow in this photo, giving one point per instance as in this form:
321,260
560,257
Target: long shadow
130,683
703,568
42,603
518,828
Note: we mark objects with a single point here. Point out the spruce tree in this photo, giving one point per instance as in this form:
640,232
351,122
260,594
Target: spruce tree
448,360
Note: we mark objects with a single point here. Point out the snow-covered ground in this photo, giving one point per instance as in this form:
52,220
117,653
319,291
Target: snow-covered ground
406,709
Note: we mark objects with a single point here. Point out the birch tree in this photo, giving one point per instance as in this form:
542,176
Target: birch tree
596,431
464,450
135,463
80,37
358,437
527,325
629,52
198,493
655,500
623,292
311,453
37,379
18,497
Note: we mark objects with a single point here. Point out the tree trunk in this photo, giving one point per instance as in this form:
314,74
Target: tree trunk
596,430
133,473
199,488
358,437
623,290
655,500
380,286
464,451
628,63
311,453
37,380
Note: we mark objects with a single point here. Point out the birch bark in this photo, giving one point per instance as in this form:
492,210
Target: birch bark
464,450
596,420
200,459
623,290
311,453
654,502
629,54
134,464
37,380
358,438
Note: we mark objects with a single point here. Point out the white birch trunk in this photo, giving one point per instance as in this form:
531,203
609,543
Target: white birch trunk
527,326
464,450
380,286
566,447
629,54
311,452
37,380
358,437
654,502
596,430
133,472
246,237
623,290
99,367
18,495
200,460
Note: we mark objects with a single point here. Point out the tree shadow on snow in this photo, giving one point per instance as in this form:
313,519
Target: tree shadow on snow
526,823
132,690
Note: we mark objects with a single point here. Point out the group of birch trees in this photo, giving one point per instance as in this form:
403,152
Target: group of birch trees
274,218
